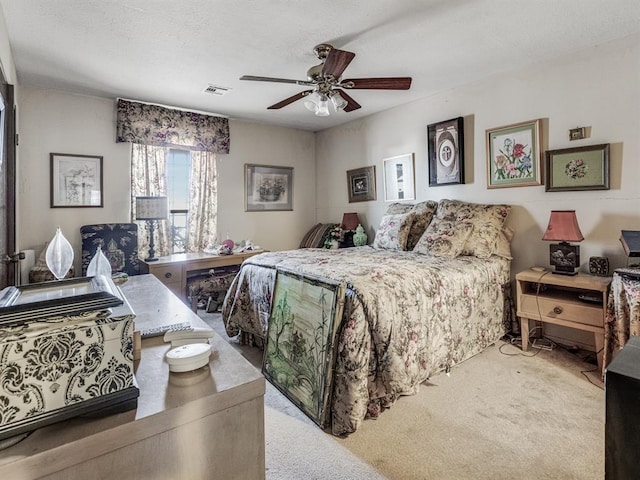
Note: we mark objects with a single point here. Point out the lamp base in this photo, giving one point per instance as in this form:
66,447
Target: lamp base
561,272
152,259
565,258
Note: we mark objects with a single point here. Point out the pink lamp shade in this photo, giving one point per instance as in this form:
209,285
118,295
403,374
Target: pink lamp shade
349,221
563,227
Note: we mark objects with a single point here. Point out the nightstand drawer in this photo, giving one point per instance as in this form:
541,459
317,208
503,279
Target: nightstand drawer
534,307
168,274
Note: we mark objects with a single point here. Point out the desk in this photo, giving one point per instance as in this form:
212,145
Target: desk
173,270
194,425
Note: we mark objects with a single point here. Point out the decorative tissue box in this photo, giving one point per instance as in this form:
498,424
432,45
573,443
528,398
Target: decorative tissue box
66,349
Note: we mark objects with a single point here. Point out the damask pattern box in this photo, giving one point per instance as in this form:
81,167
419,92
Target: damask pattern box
53,368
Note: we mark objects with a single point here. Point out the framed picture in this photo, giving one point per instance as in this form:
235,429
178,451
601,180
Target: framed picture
399,183
361,184
62,297
76,180
580,168
445,144
513,155
301,340
268,188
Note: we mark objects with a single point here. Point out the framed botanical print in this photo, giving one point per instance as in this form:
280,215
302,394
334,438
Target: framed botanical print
268,187
580,168
361,184
513,155
445,144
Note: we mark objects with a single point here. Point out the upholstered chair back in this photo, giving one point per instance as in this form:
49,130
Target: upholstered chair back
119,243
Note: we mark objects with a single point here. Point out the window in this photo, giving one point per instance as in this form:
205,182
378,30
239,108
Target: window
189,180
178,181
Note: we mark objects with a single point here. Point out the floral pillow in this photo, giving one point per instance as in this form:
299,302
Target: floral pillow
503,247
487,221
444,238
393,231
422,213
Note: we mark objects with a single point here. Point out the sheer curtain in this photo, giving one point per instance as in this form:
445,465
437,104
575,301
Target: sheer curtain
149,178
202,223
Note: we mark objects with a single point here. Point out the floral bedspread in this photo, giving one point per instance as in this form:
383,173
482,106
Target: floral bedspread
407,317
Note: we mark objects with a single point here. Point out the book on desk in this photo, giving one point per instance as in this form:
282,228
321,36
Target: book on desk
630,240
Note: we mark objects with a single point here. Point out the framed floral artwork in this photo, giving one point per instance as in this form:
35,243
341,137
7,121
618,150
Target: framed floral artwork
268,187
445,144
580,168
513,155
361,184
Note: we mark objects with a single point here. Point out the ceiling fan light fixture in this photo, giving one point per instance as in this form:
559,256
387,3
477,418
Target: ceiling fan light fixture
338,101
323,108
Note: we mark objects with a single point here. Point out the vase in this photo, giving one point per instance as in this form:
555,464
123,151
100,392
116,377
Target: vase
359,238
334,244
269,195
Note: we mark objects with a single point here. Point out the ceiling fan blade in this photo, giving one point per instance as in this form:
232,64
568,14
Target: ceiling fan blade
289,100
389,83
336,62
278,80
351,103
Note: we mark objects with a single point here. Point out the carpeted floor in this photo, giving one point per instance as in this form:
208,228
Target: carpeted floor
500,415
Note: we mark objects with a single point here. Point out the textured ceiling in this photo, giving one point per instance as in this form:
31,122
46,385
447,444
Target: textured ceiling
168,51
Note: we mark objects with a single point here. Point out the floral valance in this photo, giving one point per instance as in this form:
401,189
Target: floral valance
167,127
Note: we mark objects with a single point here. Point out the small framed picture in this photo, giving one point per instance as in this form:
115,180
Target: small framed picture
76,181
580,168
399,183
268,188
513,155
361,184
445,144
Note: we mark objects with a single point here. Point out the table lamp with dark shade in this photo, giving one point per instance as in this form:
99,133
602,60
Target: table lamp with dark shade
349,224
151,209
563,227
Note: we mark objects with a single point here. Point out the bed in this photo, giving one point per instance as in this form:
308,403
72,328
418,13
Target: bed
414,306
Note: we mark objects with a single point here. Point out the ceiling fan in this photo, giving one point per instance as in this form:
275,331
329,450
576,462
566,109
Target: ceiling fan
328,85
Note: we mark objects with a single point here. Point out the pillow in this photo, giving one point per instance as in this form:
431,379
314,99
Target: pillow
487,221
423,213
444,238
503,247
421,216
393,231
314,238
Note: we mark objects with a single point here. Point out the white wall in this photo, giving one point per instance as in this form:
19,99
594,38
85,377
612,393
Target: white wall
598,88
52,121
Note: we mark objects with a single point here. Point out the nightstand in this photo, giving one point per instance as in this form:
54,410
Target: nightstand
578,301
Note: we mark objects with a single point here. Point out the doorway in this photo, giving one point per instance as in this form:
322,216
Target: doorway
8,263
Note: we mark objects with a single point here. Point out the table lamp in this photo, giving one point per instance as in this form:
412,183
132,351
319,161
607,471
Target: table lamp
151,209
563,227
349,221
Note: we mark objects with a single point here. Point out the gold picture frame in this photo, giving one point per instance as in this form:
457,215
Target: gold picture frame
514,155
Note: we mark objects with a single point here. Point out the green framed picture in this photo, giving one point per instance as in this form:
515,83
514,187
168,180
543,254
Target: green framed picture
513,155
580,168
299,355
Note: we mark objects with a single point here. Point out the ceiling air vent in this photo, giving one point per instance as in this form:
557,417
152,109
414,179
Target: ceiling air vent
216,90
